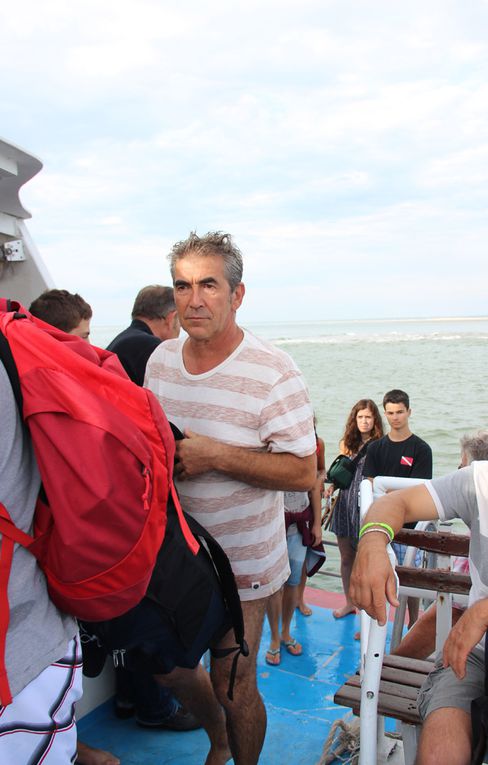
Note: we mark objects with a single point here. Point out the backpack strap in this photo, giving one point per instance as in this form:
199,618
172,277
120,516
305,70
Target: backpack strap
7,358
360,453
231,597
10,535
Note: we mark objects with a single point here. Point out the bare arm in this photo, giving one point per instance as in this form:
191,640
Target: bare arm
316,505
198,454
372,578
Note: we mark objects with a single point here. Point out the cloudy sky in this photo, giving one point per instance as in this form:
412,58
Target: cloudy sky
344,144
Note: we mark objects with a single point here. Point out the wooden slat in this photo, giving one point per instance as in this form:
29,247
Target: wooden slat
402,676
394,689
401,709
423,666
388,705
401,679
348,696
435,541
434,579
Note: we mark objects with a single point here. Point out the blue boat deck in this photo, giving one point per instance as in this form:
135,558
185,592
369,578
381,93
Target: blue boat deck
298,696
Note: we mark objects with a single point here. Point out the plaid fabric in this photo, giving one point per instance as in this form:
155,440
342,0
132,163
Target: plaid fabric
400,551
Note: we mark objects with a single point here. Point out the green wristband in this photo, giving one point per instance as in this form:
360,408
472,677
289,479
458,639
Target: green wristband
385,526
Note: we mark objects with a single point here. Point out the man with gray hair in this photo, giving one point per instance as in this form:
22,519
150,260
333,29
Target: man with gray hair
474,447
248,423
154,319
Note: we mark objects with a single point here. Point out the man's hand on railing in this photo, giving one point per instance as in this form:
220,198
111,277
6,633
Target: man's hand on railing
373,579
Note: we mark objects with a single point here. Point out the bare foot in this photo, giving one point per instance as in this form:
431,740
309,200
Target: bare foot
304,609
88,755
344,611
292,646
273,657
218,756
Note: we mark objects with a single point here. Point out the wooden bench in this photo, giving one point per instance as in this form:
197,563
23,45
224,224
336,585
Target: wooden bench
400,682
401,677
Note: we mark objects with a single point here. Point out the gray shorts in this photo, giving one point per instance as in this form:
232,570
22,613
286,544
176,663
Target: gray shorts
443,689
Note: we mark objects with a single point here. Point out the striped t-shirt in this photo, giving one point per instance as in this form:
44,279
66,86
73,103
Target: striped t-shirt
256,399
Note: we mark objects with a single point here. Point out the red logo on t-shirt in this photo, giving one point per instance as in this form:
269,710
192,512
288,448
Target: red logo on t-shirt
406,461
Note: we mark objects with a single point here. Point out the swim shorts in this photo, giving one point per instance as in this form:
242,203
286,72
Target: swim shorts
146,639
443,689
39,725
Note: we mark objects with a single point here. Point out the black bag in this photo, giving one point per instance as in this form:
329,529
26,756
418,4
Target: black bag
341,471
181,586
479,720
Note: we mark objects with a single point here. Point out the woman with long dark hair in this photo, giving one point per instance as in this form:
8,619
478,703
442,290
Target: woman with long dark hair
363,425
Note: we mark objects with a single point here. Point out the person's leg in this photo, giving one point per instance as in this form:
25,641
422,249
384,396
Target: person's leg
304,609
446,738
413,605
296,556
152,701
157,707
194,689
273,611
290,599
246,714
348,554
419,642
444,704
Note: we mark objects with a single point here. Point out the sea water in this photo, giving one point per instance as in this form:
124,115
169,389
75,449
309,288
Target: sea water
441,363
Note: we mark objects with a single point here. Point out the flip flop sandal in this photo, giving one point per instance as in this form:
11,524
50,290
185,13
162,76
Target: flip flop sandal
293,647
273,657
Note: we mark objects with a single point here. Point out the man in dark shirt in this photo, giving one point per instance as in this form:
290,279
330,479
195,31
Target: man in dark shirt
401,454
154,319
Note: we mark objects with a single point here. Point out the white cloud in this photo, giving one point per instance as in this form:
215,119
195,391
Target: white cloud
338,141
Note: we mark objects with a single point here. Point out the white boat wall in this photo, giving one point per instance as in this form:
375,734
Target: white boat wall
23,275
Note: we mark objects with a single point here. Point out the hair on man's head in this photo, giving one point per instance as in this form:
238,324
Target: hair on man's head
60,308
154,302
213,243
396,396
475,446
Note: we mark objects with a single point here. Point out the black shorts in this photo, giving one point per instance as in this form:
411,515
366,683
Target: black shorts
183,614
147,639
160,649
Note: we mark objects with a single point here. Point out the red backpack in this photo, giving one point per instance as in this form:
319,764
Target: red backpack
105,454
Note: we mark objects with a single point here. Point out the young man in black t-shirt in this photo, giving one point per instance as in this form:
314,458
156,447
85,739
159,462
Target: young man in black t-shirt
401,454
